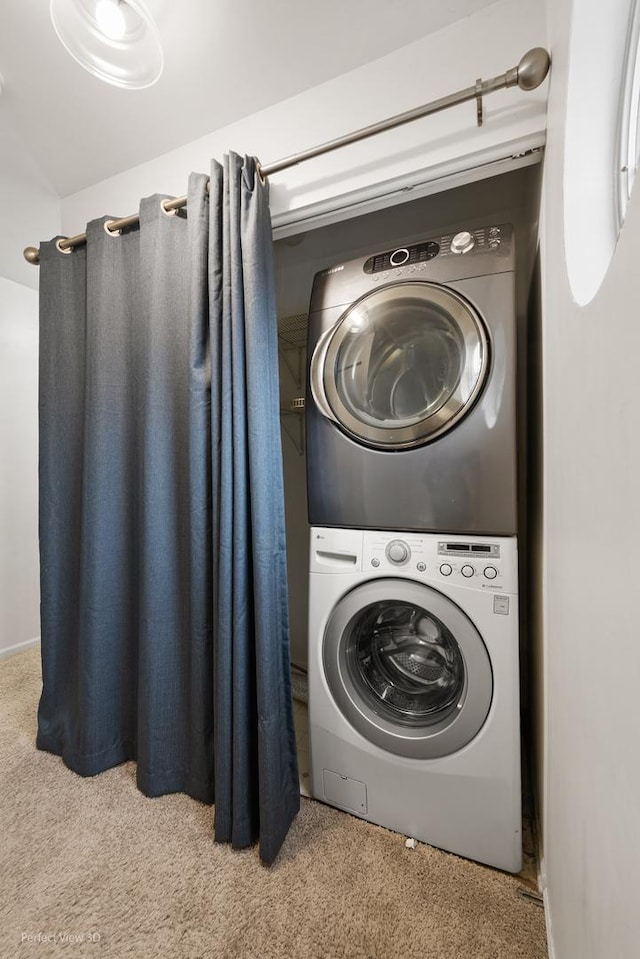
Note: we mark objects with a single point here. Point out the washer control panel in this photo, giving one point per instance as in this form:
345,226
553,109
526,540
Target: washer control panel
472,562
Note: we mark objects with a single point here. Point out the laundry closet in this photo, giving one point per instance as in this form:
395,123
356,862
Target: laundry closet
373,707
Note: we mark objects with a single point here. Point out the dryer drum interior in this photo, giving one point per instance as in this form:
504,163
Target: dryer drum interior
403,365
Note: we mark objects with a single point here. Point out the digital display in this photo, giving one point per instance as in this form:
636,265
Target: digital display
484,549
404,256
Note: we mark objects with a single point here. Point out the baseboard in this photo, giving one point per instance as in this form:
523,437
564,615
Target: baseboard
542,885
19,647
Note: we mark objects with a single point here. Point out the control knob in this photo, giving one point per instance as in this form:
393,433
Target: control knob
462,242
398,552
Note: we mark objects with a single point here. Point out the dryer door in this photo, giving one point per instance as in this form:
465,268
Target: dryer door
407,668
402,366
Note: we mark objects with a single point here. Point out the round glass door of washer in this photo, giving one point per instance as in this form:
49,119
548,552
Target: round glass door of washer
407,668
403,364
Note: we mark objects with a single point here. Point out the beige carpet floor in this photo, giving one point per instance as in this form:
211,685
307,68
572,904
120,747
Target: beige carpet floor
133,877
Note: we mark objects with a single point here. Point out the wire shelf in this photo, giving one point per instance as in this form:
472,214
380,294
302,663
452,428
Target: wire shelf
292,331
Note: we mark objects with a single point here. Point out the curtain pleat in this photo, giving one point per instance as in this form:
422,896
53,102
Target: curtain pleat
164,605
255,738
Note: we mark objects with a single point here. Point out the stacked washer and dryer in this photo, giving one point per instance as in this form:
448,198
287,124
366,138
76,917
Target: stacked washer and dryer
414,719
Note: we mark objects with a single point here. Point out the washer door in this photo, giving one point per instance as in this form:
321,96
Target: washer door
407,668
402,366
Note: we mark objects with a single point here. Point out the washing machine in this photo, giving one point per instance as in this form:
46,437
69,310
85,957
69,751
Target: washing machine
411,400
414,719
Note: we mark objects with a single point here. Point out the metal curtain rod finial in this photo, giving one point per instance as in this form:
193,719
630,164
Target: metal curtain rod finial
528,75
533,68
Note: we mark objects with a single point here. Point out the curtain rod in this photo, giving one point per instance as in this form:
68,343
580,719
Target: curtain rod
529,74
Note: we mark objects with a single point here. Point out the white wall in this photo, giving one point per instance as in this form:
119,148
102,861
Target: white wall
483,45
30,211
19,585
30,207
591,528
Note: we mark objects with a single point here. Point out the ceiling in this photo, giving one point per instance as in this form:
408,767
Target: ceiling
223,60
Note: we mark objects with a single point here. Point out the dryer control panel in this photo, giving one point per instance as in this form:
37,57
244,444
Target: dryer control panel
460,254
485,239
403,256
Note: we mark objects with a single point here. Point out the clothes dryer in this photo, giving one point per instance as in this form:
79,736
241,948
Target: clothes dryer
414,686
411,401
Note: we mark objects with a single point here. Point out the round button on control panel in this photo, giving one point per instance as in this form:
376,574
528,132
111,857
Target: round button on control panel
397,552
421,567
446,569
375,562
462,242
490,572
467,571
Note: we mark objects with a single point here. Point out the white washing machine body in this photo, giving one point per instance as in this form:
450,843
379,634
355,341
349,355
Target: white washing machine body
414,715
412,388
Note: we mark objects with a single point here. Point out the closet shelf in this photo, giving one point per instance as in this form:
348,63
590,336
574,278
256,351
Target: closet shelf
294,406
295,409
292,344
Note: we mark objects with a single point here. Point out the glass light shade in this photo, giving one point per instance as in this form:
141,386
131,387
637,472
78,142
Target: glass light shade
111,19
123,50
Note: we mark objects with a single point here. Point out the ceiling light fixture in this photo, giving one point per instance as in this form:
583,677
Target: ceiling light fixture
115,40
110,19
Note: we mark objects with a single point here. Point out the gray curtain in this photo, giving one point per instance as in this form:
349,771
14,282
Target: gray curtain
163,579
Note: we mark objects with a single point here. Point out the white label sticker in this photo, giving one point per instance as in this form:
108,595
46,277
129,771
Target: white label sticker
501,605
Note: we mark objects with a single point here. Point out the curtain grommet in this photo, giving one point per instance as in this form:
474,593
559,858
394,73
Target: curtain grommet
108,230
263,178
166,212
63,249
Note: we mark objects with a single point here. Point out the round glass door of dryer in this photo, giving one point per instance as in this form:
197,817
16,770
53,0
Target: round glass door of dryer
404,364
407,668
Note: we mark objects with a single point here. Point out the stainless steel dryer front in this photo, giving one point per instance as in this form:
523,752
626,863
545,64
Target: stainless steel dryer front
411,401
